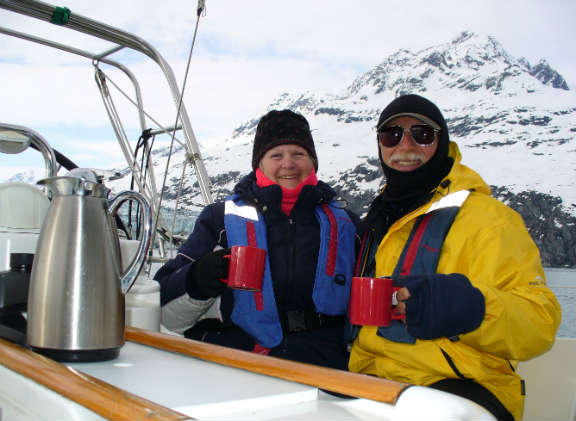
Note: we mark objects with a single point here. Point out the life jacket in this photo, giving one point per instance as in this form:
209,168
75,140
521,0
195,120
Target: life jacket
256,312
421,253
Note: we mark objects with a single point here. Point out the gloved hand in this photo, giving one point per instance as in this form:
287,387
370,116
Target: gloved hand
442,305
204,279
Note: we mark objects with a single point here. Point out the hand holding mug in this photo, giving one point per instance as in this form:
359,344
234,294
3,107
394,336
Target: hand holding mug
398,299
239,267
204,278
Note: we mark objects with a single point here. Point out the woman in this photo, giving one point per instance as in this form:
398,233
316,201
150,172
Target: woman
309,240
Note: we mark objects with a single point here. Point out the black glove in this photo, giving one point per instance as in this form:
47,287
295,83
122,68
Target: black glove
204,279
442,305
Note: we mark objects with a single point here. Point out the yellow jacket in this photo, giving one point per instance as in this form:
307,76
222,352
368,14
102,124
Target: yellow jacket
488,242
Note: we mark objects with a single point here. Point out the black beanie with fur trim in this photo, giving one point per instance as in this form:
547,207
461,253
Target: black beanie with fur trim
283,127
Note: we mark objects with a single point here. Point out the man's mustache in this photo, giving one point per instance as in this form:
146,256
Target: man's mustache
410,156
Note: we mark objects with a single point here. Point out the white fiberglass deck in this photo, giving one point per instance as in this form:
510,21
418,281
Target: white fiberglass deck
205,390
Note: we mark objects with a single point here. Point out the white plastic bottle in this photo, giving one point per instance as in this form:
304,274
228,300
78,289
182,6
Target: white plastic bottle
143,304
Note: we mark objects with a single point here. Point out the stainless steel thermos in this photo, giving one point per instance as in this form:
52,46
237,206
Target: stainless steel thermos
76,295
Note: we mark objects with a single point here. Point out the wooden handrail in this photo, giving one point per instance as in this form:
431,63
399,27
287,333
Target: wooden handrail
100,397
351,384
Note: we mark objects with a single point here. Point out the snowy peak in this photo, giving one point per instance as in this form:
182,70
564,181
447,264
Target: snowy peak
29,176
470,69
469,61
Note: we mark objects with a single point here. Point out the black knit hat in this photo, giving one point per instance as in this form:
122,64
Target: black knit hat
282,128
428,176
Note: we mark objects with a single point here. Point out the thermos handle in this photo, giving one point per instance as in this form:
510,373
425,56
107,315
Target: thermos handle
133,270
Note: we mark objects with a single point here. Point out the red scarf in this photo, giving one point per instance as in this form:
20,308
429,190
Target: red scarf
289,196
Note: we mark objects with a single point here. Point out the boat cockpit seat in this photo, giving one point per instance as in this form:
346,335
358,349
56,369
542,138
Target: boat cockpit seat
24,206
22,211
551,383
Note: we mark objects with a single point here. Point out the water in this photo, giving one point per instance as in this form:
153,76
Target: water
563,283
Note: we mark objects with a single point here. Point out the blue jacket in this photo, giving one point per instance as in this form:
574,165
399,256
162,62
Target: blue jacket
293,245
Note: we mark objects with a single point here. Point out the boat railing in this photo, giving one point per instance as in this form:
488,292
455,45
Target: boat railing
122,40
15,139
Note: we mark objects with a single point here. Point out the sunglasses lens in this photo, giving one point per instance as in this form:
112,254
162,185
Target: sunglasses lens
390,136
422,134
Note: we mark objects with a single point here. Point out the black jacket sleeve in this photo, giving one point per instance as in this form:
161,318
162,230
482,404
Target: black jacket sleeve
208,233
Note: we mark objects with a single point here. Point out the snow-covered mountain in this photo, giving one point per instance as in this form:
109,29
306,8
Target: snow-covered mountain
515,124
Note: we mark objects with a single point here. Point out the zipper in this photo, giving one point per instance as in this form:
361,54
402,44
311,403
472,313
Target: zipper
453,366
364,252
292,250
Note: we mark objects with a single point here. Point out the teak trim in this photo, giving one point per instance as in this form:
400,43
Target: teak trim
351,384
100,397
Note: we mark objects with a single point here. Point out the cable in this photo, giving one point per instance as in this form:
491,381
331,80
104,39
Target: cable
199,13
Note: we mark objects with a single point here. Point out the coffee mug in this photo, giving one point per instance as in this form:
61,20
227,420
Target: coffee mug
371,302
246,269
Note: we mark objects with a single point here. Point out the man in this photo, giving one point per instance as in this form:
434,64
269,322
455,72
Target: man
474,294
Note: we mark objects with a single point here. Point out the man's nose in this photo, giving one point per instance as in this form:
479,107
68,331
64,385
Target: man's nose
406,140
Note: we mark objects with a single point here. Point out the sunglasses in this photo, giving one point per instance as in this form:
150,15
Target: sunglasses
422,134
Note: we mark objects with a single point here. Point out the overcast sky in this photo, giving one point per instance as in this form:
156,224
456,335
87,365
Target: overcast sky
246,54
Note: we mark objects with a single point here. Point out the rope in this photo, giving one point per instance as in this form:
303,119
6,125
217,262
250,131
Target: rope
143,145
200,8
180,185
102,82
109,105
133,102
102,78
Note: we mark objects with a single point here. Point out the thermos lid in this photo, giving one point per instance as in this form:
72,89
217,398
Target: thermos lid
74,186
17,260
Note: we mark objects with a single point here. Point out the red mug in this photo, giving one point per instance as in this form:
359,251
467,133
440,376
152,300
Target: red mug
371,302
246,269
